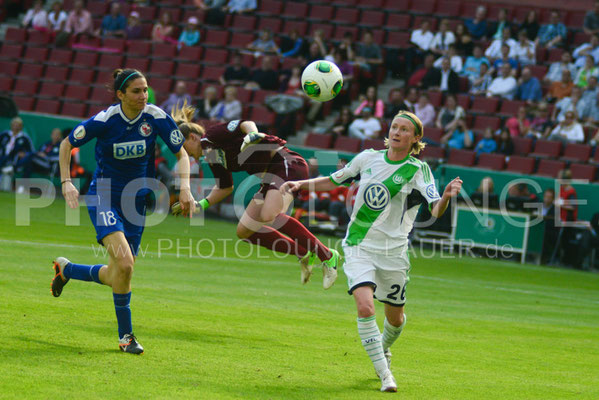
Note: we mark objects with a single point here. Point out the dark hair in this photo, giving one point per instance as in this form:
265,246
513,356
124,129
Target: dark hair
123,78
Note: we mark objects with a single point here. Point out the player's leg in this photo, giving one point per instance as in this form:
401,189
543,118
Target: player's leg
395,320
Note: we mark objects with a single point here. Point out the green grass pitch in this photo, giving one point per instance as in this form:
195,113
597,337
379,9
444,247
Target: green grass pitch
231,328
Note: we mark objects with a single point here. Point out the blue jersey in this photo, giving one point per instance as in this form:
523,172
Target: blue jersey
124,147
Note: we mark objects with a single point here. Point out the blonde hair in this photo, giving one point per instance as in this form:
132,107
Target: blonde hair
418,146
183,118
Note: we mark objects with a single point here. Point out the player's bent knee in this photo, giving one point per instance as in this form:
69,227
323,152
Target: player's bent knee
124,267
365,309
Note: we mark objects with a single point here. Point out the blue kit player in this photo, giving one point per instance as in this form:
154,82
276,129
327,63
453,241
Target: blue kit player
125,134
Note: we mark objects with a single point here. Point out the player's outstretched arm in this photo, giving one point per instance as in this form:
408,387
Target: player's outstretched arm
216,195
322,184
69,191
186,200
451,190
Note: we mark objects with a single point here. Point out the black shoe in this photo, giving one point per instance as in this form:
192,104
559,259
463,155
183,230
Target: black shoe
59,280
129,344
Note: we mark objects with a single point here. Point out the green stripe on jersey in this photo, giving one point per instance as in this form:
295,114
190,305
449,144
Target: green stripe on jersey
366,216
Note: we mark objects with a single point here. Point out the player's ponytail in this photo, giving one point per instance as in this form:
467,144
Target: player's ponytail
418,131
183,117
122,78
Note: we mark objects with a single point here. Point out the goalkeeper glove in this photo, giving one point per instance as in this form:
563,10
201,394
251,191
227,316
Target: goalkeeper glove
251,139
177,210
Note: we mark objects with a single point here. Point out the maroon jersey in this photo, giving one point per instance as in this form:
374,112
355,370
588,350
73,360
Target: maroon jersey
221,147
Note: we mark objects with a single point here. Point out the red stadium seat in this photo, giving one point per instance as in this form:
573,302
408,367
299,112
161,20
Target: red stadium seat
554,54
89,41
301,27
345,15
482,122
162,86
25,86
77,92
448,8
538,71
423,6
523,165
82,75
188,70
550,168
318,140
240,39
218,38
162,67
56,73
38,54
15,35
341,30
463,101
491,161
24,103
577,152
139,48
97,7
139,63
522,146
261,95
274,24
212,73
375,144
436,98
511,107
110,61
100,95
114,43
484,105
216,56
95,108
164,50
38,37
433,133
583,171
575,19
398,21
74,109
147,13
6,83
372,19
547,148
398,39
244,95
51,89
47,106
465,158
11,51
262,116
432,153
191,53
295,10
60,57
347,144
244,22
371,4
9,68
271,7
320,12
85,59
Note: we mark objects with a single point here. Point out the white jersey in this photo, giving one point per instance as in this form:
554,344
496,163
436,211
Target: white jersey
388,198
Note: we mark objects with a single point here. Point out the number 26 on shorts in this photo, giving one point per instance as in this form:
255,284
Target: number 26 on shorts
396,290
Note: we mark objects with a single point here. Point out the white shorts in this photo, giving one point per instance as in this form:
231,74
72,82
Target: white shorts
388,274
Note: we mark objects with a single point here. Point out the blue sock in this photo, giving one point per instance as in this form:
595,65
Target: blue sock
123,313
83,272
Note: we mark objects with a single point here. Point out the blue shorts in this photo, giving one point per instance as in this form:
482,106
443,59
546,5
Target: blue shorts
112,218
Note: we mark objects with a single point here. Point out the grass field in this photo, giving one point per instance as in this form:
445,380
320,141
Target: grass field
230,328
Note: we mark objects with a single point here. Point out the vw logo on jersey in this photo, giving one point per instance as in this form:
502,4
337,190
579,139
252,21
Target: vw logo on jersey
79,132
176,137
398,179
233,125
376,196
145,129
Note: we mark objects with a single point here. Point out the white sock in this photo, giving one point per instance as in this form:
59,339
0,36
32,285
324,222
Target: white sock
371,340
391,333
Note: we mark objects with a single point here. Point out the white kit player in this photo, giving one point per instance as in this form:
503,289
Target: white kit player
392,185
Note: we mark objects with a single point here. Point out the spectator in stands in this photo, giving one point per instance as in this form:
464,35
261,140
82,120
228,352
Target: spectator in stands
591,48
369,57
338,207
463,40
418,76
164,29
480,85
342,123
586,72
229,108
505,59
478,25
15,144
555,69
424,110
80,20
36,17
519,124
241,6
338,57
471,68
442,39
504,85
495,49
551,229
177,99
263,44
236,73
215,10
529,87
567,193
541,124
205,105
460,138
497,29
396,104
569,130
595,139
591,21
486,184
590,113
505,145
190,36
134,29
314,53
347,46
568,103
57,18
559,90
525,50
113,24
443,79
450,114
292,45
366,126
412,97
531,25
586,106
454,60
421,40
45,160
371,101
265,77
487,144
554,33
589,93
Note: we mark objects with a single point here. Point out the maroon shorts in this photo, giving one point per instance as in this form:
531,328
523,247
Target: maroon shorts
286,165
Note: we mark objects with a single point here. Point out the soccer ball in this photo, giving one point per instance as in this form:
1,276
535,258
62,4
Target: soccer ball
322,80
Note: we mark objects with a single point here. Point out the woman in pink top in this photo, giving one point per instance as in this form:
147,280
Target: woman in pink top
518,125
163,30
371,100
425,110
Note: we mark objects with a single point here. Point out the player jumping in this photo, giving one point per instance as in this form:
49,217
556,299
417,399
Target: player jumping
392,185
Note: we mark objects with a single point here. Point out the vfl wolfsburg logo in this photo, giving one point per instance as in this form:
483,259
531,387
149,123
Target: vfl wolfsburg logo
398,179
376,196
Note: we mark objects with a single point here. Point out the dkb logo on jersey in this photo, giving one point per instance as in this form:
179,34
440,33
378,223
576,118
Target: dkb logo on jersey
124,151
376,196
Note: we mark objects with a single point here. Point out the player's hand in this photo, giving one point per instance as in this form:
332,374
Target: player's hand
71,194
453,188
290,187
251,139
187,203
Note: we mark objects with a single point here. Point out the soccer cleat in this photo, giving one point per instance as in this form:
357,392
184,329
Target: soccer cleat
388,382
307,263
329,269
59,279
129,344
